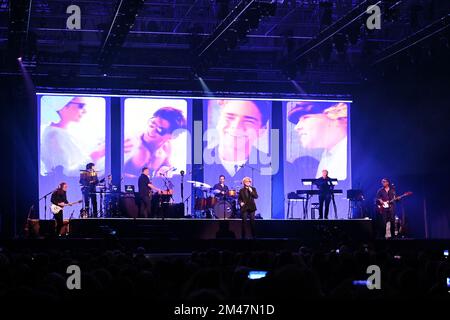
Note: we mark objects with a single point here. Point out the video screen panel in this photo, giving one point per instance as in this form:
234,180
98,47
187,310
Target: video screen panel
73,132
317,137
157,135
237,144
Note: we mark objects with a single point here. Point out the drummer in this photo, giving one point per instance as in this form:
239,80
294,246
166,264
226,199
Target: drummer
221,189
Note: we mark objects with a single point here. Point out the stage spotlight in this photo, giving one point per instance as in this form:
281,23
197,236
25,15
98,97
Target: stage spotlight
205,88
19,59
298,87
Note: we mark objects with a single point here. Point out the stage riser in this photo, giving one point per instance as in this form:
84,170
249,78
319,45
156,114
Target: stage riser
311,230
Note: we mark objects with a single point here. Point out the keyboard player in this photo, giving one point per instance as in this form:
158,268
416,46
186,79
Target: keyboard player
325,187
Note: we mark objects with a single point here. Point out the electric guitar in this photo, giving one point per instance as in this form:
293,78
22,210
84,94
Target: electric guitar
55,208
387,204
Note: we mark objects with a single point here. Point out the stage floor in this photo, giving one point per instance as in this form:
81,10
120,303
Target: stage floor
206,229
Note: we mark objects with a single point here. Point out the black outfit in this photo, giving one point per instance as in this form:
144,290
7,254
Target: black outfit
325,187
88,183
248,209
59,196
388,213
223,188
145,193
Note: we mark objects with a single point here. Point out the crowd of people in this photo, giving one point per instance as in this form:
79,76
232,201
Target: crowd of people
216,275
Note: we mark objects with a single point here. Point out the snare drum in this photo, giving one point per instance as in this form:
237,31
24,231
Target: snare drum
232,193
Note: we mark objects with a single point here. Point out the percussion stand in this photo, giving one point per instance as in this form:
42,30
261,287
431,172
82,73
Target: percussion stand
182,185
205,196
101,203
224,206
211,208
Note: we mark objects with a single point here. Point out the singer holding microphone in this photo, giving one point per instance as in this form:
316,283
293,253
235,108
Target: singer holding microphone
247,196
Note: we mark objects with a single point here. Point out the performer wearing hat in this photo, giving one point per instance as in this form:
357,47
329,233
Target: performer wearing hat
88,181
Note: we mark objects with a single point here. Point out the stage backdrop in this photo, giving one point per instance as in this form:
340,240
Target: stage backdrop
73,131
317,137
157,135
236,143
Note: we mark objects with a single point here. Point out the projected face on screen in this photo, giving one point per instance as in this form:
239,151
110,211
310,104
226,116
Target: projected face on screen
320,130
236,129
237,146
316,144
239,125
155,136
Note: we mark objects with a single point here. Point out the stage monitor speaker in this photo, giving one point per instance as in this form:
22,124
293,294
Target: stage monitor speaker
129,205
176,210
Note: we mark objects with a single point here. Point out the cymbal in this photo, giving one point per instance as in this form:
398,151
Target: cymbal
198,184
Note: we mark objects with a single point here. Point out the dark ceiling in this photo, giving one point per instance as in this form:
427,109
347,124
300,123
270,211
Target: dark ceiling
306,40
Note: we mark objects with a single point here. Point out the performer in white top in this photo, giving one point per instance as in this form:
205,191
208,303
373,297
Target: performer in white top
60,148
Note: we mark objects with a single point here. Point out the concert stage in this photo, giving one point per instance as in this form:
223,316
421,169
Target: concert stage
311,231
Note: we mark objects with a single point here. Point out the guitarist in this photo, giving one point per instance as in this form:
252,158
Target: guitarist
387,194
59,198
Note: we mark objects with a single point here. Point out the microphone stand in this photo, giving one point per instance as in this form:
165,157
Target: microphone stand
45,203
186,204
182,186
166,184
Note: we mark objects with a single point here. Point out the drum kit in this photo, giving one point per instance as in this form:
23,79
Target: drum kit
210,203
